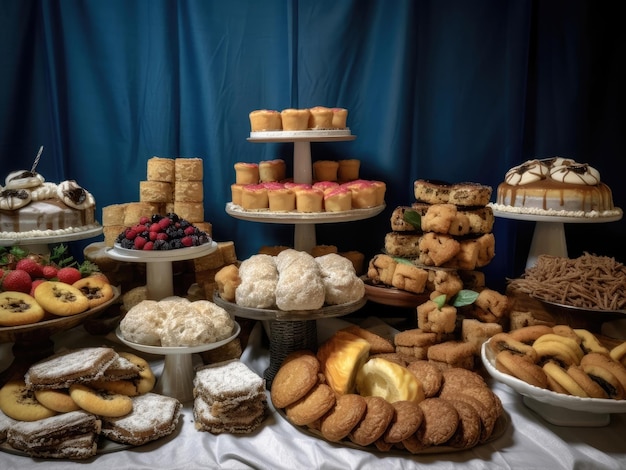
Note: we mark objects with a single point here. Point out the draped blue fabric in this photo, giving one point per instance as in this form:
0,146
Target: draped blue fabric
453,90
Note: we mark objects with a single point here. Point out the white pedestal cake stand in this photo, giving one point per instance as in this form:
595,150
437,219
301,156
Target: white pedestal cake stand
176,379
159,278
549,233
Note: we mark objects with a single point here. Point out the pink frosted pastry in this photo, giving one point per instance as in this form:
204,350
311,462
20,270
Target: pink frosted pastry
236,191
325,170
326,186
272,170
265,120
338,199
309,200
280,199
254,197
348,170
320,118
340,116
295,119
381,188
363,193
296,186
246,173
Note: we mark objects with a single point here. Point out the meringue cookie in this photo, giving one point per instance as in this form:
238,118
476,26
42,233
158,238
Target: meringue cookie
12,199
74,195
578,173
528,172
23,179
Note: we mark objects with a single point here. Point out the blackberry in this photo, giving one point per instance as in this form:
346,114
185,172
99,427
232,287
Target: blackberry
155,218
173,217
161,245
175,244
126,243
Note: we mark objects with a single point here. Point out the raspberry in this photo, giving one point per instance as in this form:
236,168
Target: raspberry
190,230
164,222
17,281
144,220
69,275
148,246
155,228
162,236
139,243
131,234
187,241
152,236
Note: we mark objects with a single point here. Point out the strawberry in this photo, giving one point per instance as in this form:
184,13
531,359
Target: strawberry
69,275
18,281
34,285
31,266
49,271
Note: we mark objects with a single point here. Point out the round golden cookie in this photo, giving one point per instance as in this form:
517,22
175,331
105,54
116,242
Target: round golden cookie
18,402
101,403
17,308
60,298
345,415
522,368
407,419
121,387
57,399
297,375
566,331
611,373
378,415
429,374
504,342
440,421
484,405
312,406
469,430
146,381
96,289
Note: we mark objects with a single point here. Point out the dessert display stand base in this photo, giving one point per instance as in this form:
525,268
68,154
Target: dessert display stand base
549,233
176,379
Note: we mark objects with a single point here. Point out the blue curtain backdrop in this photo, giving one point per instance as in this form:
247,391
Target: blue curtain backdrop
456,90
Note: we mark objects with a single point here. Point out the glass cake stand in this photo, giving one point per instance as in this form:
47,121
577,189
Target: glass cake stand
549,233
159,277
177,376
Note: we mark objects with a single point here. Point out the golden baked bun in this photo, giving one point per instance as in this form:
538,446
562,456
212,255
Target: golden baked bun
341,356
382,378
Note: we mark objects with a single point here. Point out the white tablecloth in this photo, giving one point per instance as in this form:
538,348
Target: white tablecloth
529,442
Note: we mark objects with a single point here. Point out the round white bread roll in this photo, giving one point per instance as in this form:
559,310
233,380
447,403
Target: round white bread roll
259,277
341,284
142,323
300,285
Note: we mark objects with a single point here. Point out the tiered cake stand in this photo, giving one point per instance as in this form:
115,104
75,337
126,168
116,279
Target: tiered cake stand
549,233
292,331
177,376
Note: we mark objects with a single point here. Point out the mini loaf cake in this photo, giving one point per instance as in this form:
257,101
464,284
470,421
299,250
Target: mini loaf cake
554,184
265,120
295,119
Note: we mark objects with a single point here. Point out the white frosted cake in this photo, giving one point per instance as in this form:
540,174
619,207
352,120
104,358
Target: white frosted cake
555,186
31,207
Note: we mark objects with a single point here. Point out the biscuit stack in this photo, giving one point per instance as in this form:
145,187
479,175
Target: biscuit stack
228,398
437,247
172,185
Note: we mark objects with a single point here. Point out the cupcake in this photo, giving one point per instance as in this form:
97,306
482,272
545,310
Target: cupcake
265,120
320,118
325,186
348,170
246,173
338,200
340,116
254,197
280,199
363,193
295,119
309,200
272,170
325,170
236,190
